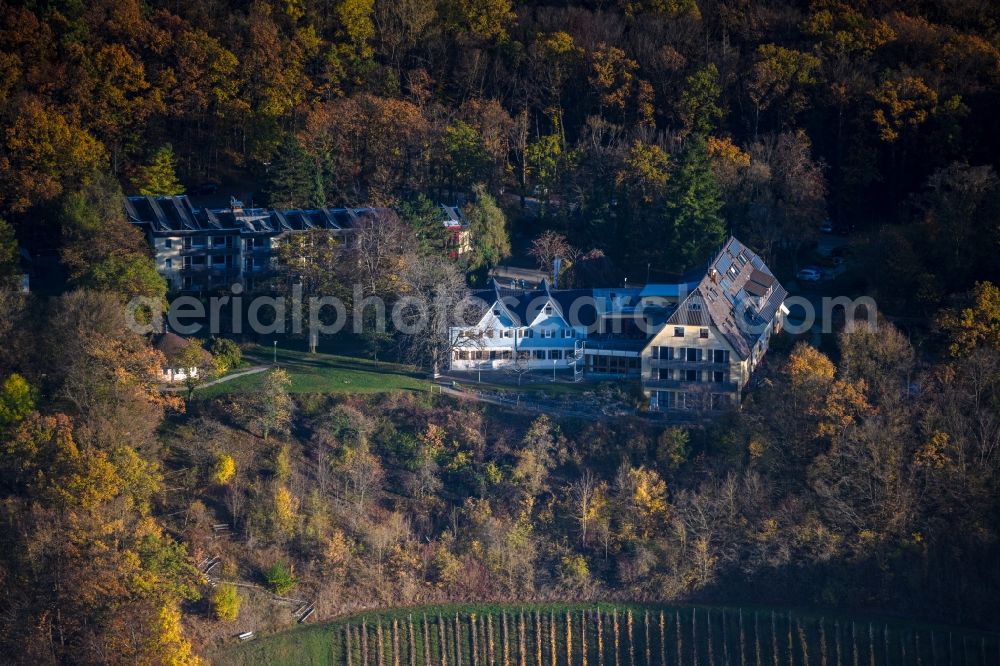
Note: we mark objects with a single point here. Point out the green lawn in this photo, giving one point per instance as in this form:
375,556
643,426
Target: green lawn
324,373
339,373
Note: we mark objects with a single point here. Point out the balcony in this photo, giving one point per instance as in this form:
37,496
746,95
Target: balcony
681,385
212,269
688,365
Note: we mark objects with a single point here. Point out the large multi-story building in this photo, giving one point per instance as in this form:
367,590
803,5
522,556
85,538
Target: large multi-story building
704,354
201,249
692,344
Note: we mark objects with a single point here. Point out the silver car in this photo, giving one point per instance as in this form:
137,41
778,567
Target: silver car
809,274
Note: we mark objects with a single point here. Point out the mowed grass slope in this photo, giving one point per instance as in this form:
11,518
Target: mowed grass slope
339,373
324,373
613,635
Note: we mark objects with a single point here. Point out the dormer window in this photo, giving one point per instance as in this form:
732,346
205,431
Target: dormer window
694,306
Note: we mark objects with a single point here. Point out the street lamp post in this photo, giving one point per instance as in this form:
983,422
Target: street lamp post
276,352
554,361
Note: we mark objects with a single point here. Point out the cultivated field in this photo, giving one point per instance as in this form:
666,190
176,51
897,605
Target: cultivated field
615,635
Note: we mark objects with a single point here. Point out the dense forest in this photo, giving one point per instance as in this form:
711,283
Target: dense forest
866,484
626,121
862,475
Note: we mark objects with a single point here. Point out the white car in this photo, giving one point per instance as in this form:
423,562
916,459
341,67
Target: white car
809,274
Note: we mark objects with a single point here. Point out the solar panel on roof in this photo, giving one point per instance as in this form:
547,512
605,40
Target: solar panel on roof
157,213
212,219
328,220
130,208
182,215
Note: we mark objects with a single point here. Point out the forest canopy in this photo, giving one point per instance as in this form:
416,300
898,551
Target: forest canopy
625,120
627,138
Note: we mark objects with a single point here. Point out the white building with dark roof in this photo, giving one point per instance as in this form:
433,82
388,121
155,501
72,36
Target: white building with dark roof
527,329
692,344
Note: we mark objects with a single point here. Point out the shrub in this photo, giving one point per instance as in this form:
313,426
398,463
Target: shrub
574,571
226,355
226,602
224,469
280,578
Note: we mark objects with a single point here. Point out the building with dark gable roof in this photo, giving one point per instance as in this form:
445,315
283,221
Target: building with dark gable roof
693,344
703,356
173,346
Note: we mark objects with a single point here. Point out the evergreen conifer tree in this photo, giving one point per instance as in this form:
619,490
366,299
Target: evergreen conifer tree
159,177
293,180
694,201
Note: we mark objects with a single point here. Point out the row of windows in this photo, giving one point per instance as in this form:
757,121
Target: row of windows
196,284
691,354
547,333
191,242
691,401
215,261
547,309
615,365
508,354
717,376
679,332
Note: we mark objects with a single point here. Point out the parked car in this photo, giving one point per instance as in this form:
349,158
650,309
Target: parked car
826,227
809,274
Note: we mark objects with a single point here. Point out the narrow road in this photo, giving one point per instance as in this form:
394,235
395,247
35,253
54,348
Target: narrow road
243,373
545,408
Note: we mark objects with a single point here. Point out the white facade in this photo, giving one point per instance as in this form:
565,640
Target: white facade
536,337
172,375
693,345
